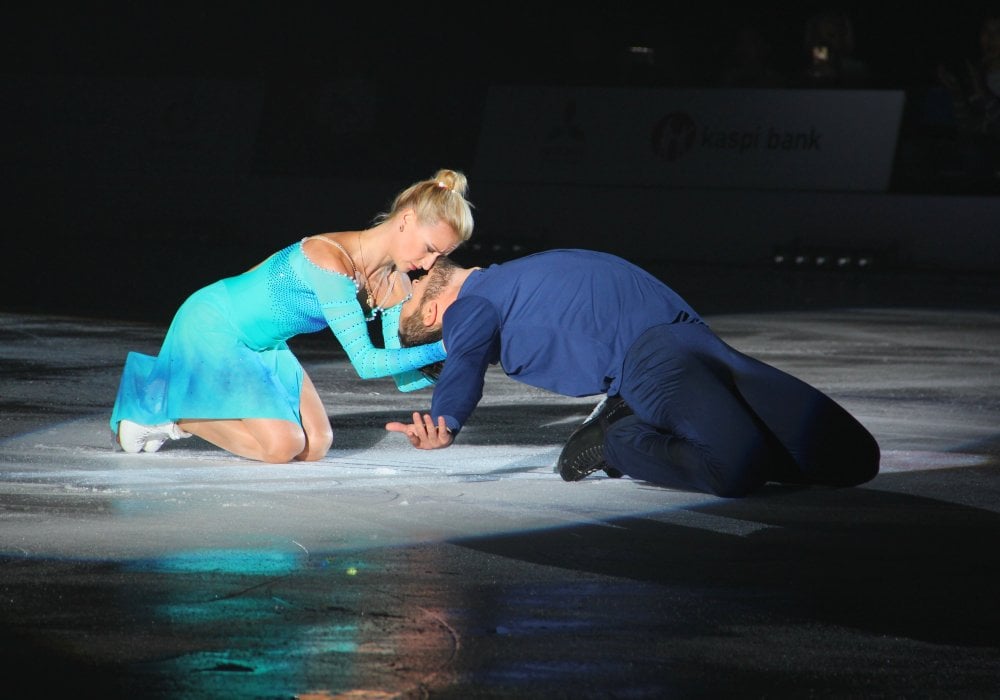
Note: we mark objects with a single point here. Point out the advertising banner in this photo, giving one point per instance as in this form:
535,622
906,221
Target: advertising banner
768,139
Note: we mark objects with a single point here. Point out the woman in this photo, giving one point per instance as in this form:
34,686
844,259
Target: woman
225,372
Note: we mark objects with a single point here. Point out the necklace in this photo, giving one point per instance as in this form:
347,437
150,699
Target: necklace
371,291
368,286
359,278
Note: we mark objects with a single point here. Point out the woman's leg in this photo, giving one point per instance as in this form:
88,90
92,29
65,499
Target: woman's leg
263,439
272,440
315,422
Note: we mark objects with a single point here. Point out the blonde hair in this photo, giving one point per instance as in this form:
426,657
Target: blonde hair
440,198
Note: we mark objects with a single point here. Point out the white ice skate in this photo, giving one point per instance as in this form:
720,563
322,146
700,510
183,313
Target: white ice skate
135,438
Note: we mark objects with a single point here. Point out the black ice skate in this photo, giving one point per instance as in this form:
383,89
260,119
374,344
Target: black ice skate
584,451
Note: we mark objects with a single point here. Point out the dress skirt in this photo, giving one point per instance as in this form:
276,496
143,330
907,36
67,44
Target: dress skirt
208,369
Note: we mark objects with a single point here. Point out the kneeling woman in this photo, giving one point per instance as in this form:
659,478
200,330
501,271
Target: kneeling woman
224,371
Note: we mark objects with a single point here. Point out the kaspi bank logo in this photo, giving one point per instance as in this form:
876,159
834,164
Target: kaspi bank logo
677,133
673,136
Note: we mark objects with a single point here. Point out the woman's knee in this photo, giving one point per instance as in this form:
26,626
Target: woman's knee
318,444
281,448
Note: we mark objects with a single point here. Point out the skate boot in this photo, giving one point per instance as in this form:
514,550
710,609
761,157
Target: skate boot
135,438
584,451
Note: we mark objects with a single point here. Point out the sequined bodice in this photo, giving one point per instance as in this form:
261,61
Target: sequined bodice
274,302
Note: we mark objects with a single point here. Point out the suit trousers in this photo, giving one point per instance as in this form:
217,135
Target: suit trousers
710,418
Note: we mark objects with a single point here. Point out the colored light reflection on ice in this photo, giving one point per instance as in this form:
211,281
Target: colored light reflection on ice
223,561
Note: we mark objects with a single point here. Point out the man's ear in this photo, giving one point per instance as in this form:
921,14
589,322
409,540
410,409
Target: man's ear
432,311
429,313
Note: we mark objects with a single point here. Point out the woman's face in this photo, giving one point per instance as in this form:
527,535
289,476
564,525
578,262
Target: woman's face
418,245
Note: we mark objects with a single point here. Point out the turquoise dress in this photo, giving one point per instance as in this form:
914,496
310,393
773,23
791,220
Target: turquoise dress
225,354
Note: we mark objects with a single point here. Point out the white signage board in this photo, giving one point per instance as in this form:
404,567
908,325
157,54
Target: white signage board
769,139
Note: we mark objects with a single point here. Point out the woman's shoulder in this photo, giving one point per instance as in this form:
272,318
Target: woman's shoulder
328,251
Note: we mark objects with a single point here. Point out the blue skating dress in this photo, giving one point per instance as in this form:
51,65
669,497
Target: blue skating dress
225,354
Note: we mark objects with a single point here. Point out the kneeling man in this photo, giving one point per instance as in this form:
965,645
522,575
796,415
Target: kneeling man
683,409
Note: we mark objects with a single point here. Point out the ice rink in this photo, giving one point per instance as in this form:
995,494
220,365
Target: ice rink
823,199
475,572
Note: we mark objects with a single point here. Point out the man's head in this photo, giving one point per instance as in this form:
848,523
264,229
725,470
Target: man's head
420,317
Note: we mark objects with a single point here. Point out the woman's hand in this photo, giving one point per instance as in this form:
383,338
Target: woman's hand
422,432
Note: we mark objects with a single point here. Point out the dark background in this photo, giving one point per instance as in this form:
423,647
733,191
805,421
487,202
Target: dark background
106,234
433,46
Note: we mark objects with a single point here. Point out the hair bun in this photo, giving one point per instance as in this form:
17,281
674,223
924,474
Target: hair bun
451,180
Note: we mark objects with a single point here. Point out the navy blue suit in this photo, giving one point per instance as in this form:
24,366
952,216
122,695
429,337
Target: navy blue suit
706,417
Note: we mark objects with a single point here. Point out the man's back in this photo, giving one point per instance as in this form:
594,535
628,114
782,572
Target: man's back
560,320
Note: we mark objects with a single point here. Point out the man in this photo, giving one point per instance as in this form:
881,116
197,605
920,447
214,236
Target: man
683,408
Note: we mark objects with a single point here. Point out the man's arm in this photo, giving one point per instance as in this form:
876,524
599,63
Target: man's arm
472,337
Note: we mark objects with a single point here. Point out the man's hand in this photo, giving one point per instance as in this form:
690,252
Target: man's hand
422,433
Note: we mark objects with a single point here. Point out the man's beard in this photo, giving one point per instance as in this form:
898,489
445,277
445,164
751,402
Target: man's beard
412,331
